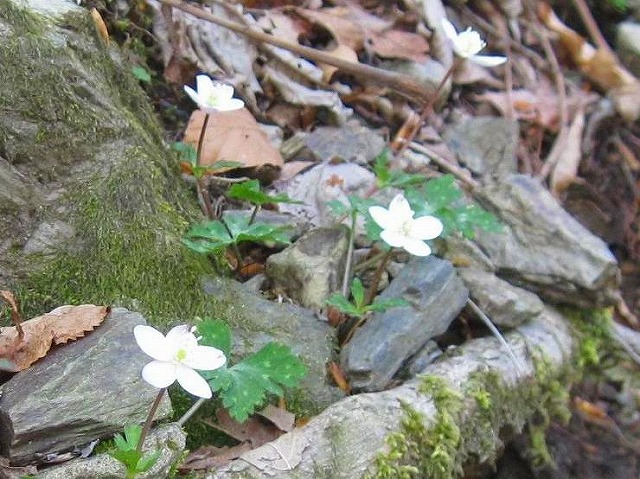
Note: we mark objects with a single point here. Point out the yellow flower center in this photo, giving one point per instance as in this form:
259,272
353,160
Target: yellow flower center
181,355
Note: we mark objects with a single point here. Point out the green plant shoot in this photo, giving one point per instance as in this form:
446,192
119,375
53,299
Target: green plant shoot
358,308
126,451
244,386
386,177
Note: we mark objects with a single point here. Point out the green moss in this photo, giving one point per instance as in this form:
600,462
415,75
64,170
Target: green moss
21,19
591,331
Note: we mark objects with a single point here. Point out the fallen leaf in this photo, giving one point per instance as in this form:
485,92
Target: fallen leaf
232,136
343,52
207,457
400,44
338,376
63,324
281,418
254,430
101,27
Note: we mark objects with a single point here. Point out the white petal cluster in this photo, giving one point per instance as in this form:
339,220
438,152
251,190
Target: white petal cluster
176,357
401,230
467,44
212,97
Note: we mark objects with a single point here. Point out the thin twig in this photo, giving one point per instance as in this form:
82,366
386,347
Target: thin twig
459,173
485,319
347,266
366,73
592,27
373,287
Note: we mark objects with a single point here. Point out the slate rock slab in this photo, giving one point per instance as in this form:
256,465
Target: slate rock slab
379,348
85,390
543,248
505,304
168,438
263,321
486,145
312,268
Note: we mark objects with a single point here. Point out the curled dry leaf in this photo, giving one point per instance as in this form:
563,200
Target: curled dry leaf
61,325
569,154
232,136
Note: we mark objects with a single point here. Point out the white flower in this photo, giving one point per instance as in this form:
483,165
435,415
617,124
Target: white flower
468,44
401,230
212,97
176,356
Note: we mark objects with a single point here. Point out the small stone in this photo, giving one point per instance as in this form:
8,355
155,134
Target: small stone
419,362
506,305
435,294
486,145
312,268
628,45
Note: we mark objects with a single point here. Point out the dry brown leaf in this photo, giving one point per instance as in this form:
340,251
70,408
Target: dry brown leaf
336,20
207,457
232,136
101,27
338,376
279,417
343,52
59,326
283,26
400,44
254,430
565,171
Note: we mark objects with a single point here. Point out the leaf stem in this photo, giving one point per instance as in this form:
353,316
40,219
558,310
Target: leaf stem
203,189
147,423
256,208
234,246
373,287
192,410
349,262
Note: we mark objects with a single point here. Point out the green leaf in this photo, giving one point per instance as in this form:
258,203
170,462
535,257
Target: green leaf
121,443
386,177
146,462
357,291
380,305
216,333
441,192
338,208
243,387
241,231
250,191
341,303
129,458
470,217
141,74
186,152
132,433
208,237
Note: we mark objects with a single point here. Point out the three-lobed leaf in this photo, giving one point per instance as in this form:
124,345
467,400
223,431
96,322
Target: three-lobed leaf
215,333
244,386
250,191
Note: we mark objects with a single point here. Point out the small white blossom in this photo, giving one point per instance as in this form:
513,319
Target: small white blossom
468,44
401,230
212,97
176,357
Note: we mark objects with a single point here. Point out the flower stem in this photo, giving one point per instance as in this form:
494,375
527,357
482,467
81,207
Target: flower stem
192,410
256,208
428,108
347,266
373,287
203,189
147,423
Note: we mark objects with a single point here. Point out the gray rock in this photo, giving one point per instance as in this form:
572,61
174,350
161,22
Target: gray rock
543,248
85,390
423,358
168,438
351,143
505,304
628,45
345,440
264,321
312,268
486,145
379,348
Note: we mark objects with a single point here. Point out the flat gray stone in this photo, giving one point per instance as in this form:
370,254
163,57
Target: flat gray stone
543,248
486,144
505,304
379,348
264,321
84,390
628,45
312,268
168,438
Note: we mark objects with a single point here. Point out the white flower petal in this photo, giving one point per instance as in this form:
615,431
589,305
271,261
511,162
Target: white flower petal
393,238
231,104
205,358
152,342
192,382
182,335
205,86
383,218
399,209
449,30
159,374
223,91
426,228
193,94
417,247
488,60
